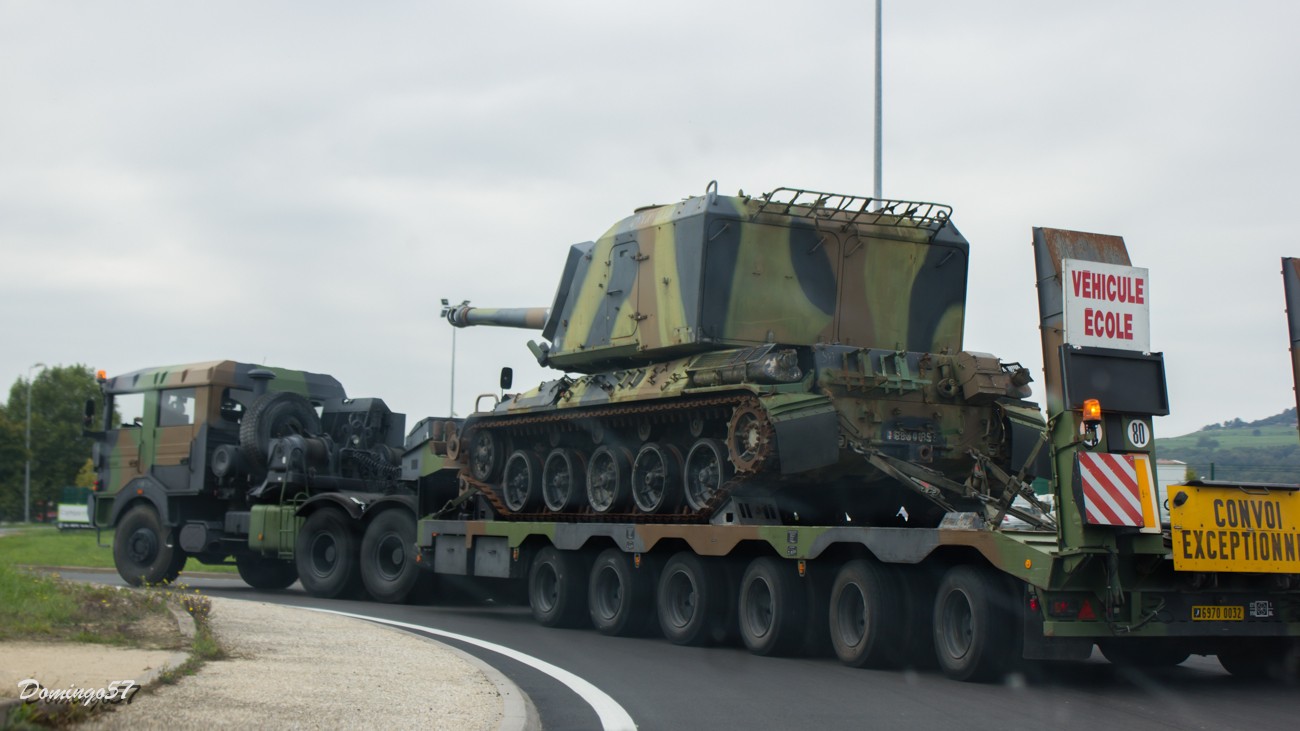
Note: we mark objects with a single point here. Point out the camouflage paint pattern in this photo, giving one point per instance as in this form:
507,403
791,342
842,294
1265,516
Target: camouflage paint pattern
152,448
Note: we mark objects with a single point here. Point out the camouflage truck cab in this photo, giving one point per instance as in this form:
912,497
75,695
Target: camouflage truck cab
222,458
794,357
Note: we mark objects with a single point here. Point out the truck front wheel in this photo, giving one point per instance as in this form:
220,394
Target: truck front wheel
140,549
326,555
266,572
388,565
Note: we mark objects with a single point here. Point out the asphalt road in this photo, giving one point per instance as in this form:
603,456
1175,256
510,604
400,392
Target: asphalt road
667,687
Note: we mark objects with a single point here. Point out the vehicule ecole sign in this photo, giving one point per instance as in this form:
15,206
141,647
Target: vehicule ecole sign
1107,305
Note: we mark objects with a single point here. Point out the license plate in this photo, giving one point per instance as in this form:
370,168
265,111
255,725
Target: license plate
1224,528
1218,613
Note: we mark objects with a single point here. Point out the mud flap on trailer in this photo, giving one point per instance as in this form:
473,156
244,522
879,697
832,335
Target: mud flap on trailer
1041,647
807,431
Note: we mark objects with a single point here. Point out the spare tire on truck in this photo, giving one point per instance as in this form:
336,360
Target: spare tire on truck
272,416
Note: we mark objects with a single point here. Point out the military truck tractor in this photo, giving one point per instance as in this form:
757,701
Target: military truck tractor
277,469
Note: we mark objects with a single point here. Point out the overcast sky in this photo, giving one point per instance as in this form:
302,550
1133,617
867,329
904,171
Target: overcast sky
299,183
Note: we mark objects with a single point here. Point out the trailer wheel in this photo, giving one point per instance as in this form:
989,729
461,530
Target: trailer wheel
609,479
522,481
326,554
866,616
1273,659
266,572
620,596
773,607
140,549
695,602
972,624
557,588
388,567
1144,653
272,416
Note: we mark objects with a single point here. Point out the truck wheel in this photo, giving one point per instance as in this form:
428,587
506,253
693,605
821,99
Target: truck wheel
272,416
557,588
326,554
1144,653
140,549
620,596
694,600
522,481
773,607
972,624
266,572
866,617
388,566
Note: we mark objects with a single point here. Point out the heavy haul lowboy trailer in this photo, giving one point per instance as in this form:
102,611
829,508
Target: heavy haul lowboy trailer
982,590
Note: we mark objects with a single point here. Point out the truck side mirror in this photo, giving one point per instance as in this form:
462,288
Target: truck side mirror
507,378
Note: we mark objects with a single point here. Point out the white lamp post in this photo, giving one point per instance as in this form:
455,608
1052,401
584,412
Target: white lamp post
27,471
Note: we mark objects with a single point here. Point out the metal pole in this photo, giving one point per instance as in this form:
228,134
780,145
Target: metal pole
451,400
27,468
877,194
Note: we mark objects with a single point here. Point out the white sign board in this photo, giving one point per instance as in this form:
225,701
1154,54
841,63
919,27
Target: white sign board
1107,305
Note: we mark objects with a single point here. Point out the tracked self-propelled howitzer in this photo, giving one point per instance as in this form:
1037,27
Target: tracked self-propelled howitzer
789,358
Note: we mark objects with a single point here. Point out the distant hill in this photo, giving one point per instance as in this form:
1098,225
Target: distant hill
1267,450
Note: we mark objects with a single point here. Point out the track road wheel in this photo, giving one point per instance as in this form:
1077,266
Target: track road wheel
773,607
564,480
695,600
557,588
866,615
657,478
327,555
266,572
485,455
621,596
522,481
609,479
706,470
388,567
140,549
973,622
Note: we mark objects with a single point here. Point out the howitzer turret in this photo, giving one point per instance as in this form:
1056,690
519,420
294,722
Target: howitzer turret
791,357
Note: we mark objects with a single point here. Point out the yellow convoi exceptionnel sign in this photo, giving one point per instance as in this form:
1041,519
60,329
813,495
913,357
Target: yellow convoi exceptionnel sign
1235,529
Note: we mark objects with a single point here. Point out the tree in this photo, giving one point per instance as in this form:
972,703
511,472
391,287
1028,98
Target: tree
58,450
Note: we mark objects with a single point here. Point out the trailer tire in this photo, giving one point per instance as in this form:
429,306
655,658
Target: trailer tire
557,588
266,572
272,416
866,616
773,607
326,553
621,596
1275,659
140,550
388,567
1143,653
972,624
694,600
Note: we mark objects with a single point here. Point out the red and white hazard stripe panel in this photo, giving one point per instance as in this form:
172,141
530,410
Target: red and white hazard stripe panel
1110,489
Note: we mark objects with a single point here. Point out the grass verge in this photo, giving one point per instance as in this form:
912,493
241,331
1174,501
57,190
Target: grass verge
47,546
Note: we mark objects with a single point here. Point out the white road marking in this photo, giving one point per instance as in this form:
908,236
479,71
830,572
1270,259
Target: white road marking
612,716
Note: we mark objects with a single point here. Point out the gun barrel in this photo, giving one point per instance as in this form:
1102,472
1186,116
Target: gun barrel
528,318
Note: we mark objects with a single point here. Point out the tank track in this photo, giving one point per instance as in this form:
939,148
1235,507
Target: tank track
721,406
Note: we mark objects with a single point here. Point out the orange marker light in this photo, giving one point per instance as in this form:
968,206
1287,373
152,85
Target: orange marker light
1091,411
101,375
